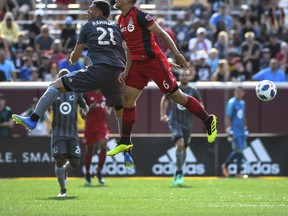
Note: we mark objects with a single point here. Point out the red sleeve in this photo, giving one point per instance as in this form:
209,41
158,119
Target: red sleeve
144,19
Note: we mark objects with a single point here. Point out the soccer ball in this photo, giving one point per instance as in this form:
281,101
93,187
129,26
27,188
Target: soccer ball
266,90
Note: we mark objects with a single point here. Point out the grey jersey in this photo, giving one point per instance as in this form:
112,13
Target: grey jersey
103,41
179,114
65,109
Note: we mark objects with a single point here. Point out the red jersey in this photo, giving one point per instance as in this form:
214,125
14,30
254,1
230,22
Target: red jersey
96,118
140,41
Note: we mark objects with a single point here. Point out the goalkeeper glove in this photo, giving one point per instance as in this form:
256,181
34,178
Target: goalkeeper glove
230,134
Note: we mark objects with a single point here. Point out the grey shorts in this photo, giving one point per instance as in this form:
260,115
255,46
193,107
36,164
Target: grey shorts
179,132
69,147
102,77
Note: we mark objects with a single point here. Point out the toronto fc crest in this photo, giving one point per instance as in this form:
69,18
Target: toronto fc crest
130,25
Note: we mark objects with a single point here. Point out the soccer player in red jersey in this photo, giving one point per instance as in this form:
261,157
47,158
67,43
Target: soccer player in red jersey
96,132
147,62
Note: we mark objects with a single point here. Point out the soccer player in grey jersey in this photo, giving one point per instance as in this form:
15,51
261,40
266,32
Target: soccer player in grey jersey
64,139
103,40
180,123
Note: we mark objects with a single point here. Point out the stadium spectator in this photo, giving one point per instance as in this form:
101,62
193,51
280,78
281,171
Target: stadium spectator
202,69
282,57
64,63
273,73
6,123
213,59
273,44
64,137
250,52
96,132
29,52
143,67
52,75
200,42
247,22
44,41
35,76
181,34
25,7
222,44
68,35
257,11
180,124
197,10
18,48
43,126
235,42
34,28
45,67
237,131
4,45
238,73
275,18
221,16
265,58
7,67
26,70
222,73
9,28
55,54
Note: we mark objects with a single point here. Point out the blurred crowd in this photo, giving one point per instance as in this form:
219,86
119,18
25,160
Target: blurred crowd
222,43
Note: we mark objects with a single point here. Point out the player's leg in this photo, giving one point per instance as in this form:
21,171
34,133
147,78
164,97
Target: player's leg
168,85
180,157
102,144
193,105
87,161
42,105
59,150
242,144
60,174
130,97
74,154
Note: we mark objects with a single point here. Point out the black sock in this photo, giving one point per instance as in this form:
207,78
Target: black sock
125,140
34,117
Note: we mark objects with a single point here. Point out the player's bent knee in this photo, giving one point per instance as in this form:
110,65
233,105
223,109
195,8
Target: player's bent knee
74,162
60,160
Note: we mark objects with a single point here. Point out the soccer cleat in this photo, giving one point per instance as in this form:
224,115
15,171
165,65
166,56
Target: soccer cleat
120,148
128,160
224,170
100,178
178,179
88,179
25,121
211,128
241,176
62,194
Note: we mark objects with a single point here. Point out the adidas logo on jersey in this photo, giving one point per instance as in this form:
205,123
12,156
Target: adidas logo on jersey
113,165
257,161
167,164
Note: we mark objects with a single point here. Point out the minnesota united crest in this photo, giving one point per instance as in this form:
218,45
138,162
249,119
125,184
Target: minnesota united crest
131,27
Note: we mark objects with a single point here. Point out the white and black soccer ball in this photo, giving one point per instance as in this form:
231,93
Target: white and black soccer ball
266,90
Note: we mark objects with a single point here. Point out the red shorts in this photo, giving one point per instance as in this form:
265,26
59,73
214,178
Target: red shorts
156,69
91,138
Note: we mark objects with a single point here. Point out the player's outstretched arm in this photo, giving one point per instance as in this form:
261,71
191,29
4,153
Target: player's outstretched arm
180,59
76,53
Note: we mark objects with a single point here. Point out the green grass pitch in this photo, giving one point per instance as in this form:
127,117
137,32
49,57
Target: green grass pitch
146,196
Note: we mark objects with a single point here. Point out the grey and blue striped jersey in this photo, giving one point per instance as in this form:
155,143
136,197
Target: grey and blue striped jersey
65,109
179,114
